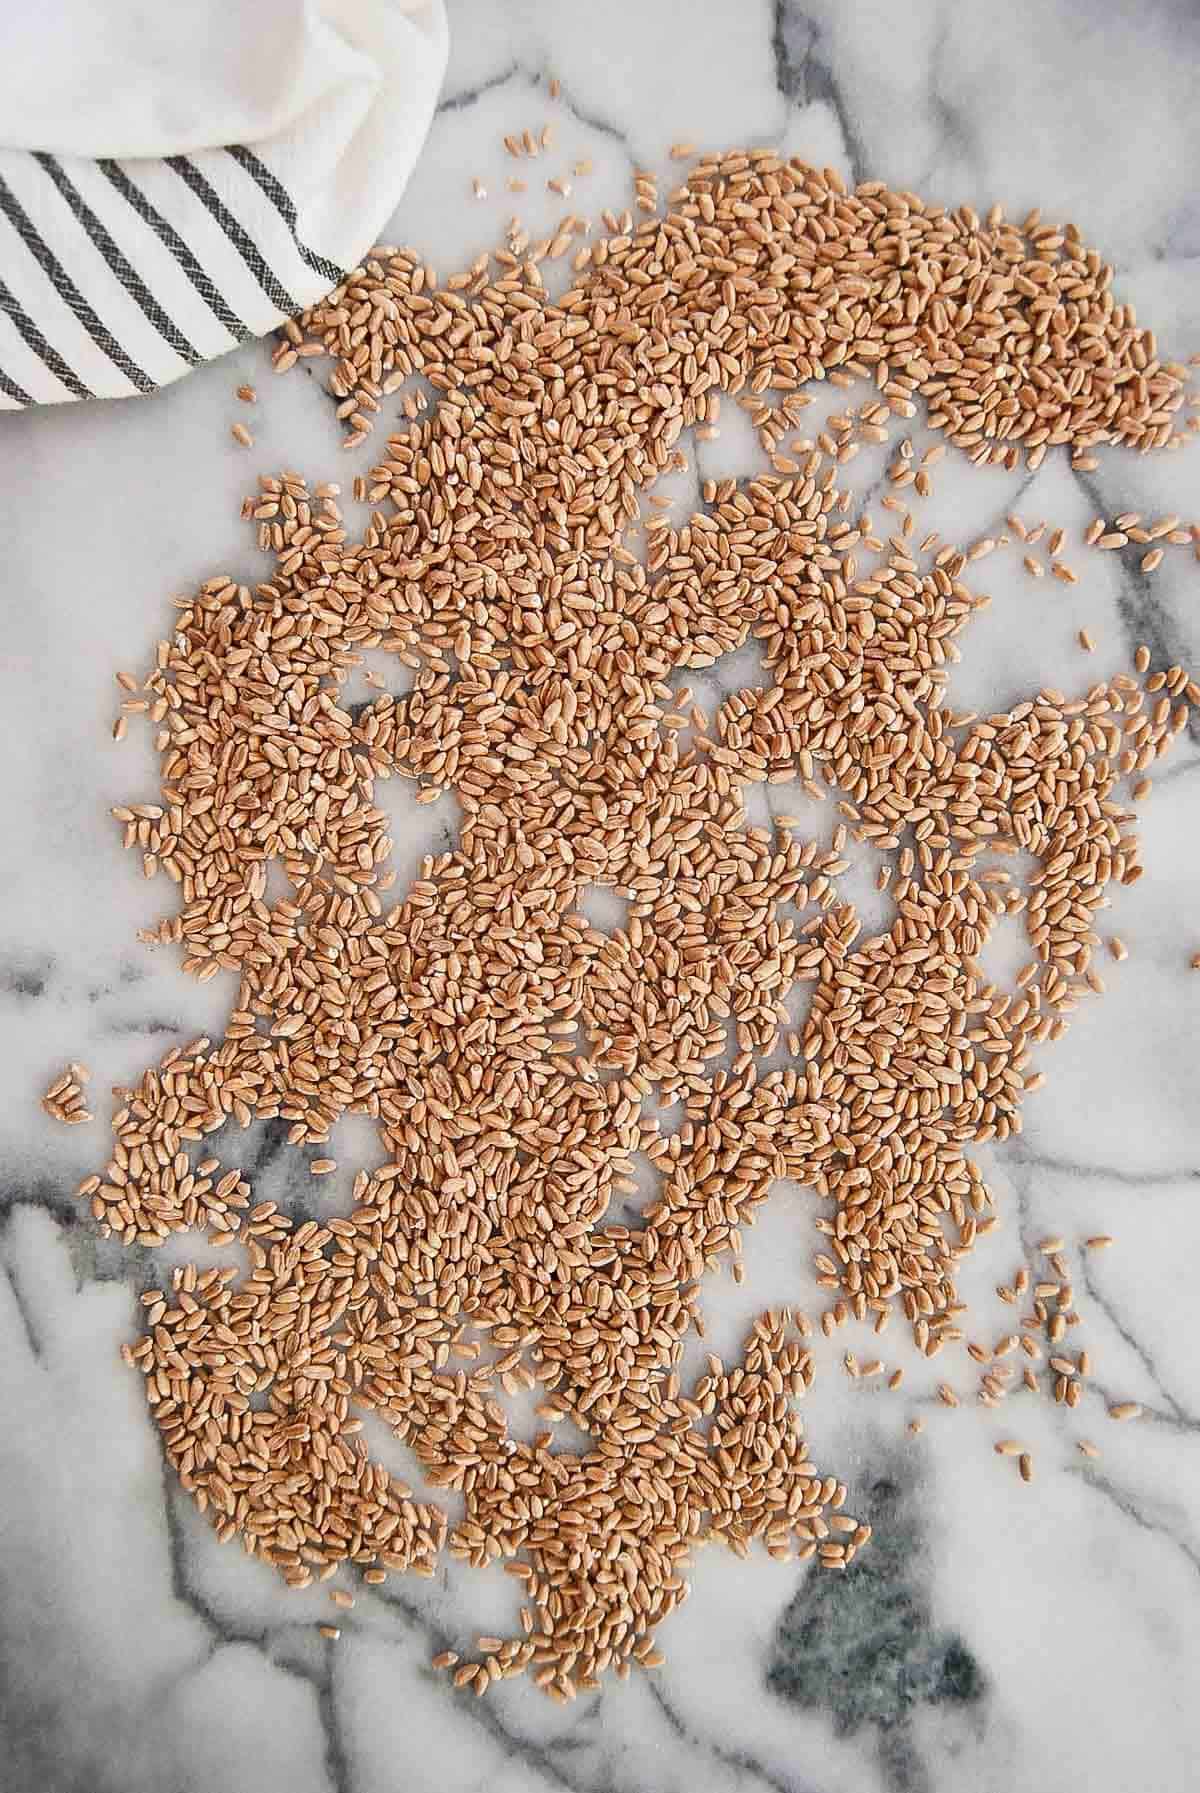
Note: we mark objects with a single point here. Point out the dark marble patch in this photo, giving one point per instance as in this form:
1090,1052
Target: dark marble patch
861,1647
25,978
275,1170
153,1026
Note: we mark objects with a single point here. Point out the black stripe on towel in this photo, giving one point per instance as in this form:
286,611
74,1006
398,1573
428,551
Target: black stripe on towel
70,294
282,200
17,393
134,285
167,234
246,248
41,348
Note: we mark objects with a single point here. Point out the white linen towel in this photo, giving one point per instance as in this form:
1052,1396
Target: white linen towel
175,178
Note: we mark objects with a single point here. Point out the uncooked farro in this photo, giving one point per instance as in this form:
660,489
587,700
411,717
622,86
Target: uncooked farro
506,1048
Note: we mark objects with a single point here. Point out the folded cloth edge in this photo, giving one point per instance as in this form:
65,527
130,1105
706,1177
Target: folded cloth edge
118,274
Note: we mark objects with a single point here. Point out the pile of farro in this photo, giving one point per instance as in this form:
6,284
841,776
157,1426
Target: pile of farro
510,1052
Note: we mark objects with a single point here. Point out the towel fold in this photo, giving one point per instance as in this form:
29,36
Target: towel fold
175,179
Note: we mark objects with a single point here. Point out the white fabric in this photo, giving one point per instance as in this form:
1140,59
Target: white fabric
300,121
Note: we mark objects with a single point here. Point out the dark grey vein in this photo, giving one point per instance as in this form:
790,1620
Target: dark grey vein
1126,1505
736,1759
952,123
804,76
1143,615
31,1333
258,1637
483,1712
469,96
1018,1153
1139,1350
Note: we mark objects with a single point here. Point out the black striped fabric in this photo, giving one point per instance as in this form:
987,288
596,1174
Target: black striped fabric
66,289
178,179
281,200
116,276
245,246
133,282
44,351
166,232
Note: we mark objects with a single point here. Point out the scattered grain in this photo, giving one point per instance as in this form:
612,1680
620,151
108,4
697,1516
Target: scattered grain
504,1048
64,1099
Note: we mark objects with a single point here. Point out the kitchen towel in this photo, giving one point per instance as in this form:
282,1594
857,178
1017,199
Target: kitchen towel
175,178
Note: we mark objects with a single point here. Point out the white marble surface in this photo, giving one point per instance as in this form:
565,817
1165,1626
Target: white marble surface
993,1636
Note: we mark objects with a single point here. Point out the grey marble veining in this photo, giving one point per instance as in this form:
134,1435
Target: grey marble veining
992,1636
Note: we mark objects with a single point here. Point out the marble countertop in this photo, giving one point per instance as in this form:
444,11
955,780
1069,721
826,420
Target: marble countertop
992,1636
